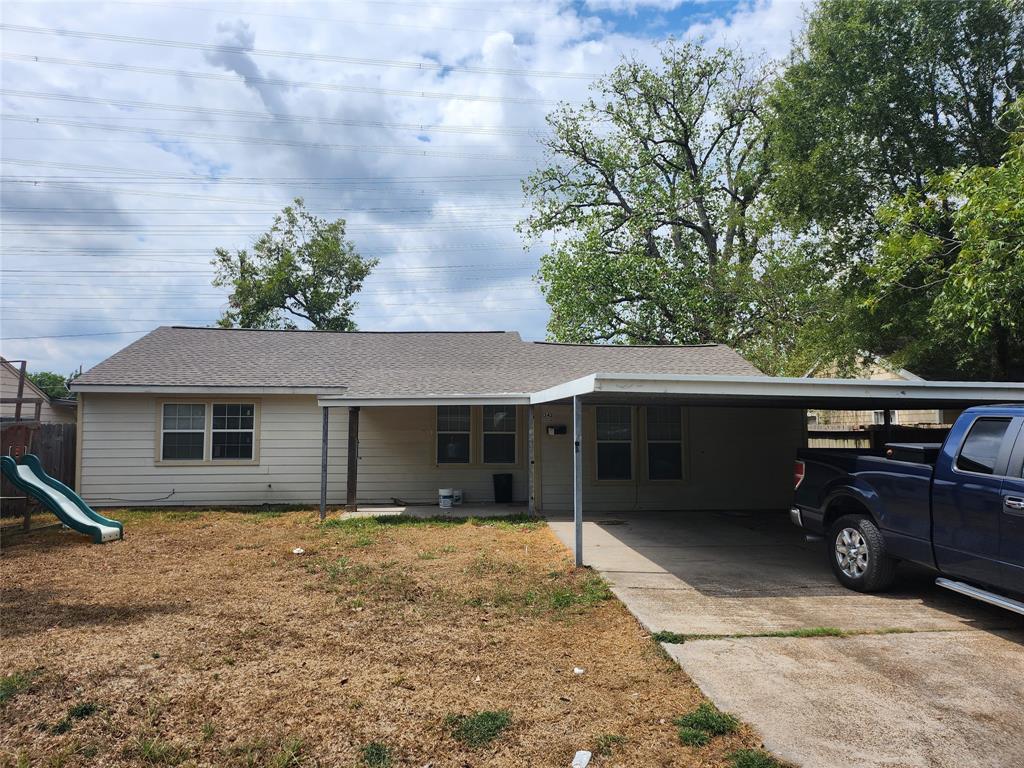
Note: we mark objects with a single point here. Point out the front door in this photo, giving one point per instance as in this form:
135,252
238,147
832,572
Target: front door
967,504
1011,523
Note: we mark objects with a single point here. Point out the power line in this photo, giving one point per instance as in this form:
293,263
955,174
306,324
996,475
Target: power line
278,82
237,139
265,116
306,56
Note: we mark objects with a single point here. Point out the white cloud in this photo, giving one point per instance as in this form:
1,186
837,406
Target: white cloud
102,202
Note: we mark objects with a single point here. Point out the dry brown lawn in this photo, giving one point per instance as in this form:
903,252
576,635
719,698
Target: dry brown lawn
202,640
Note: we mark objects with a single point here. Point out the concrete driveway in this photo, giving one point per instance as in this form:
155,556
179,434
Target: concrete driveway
934,679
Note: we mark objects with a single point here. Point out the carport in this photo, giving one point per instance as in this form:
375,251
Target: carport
750,609
756,392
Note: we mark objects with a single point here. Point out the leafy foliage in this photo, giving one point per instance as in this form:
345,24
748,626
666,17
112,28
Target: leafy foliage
54,385
302,268
651,193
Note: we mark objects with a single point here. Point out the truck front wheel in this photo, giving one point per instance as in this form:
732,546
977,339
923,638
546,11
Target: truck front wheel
857,553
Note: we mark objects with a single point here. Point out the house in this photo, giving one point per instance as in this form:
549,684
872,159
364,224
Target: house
51,410
874,369
211,416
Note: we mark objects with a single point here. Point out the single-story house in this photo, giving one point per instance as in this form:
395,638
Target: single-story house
210,416
34,401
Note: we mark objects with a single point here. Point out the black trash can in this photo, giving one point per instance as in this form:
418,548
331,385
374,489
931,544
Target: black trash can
503,489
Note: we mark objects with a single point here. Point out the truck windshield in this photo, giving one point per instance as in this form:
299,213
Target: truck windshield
981,448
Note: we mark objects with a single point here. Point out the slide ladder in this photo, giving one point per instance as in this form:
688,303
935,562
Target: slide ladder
28,475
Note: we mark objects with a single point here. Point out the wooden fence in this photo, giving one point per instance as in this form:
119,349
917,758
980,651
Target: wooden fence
54,444
874,437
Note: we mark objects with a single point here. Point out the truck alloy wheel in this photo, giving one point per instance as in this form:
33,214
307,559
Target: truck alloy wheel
857,554
851,553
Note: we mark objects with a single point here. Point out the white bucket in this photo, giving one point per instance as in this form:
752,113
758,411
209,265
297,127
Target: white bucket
445,497
457,497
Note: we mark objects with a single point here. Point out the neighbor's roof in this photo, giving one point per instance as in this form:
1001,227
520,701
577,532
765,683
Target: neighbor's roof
373,365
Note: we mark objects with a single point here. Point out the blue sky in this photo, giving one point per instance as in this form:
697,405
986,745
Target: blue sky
137,136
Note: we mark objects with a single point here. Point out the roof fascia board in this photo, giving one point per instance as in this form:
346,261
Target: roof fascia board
782,387
145,389
581,386
399,401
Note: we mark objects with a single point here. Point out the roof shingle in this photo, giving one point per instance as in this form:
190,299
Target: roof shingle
399,364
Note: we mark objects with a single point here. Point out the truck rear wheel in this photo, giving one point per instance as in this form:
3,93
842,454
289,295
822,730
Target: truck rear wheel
856,550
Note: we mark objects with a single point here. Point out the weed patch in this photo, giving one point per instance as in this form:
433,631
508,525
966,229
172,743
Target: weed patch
605,744
668,637
13,684
480,729
752,758
376,755
157,751
709,719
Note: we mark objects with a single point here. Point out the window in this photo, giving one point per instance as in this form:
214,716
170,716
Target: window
499,434
981,448
614,442
183,435
664,443
453,427
233,429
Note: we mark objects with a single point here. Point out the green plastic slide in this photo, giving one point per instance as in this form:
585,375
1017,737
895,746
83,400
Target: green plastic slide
28,475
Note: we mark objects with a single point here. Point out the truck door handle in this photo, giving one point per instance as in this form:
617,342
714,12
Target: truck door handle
1013,502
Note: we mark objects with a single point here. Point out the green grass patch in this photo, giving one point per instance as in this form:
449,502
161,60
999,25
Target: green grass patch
668,637
287,755
376,755
693,737
607,743
709,719
480,729
752,758
13,684
586,593
157,751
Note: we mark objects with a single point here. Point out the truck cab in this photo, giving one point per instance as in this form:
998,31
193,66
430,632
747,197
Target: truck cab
957,508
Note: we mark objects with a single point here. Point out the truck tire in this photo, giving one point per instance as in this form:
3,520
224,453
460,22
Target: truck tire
856,551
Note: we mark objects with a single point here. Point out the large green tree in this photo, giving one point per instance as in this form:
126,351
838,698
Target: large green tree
303,268
951,263
55,385
649,201
880,100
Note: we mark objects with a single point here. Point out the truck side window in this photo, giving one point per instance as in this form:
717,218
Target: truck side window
981,448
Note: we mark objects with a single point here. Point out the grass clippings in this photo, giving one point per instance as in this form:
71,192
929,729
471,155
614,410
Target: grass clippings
480,729
270,660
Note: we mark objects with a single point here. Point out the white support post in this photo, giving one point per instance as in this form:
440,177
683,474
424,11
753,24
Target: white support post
323,464
577,482
530,468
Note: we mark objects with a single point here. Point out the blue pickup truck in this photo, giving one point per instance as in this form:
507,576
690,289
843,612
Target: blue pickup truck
955,507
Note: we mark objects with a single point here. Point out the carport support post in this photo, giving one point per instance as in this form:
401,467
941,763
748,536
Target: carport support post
323,465
530,480
353,458
577,480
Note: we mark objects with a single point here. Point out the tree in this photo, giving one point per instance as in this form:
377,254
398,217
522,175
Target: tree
302,268
54,385
954,256
650,197
880,99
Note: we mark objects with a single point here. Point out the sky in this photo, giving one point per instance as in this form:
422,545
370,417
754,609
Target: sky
138,136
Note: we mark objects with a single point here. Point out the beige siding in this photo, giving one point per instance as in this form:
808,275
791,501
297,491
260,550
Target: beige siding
397,458
719,446
49,414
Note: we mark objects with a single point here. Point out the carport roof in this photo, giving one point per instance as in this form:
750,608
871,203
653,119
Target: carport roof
838,394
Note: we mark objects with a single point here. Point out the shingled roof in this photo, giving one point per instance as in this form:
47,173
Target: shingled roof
383,365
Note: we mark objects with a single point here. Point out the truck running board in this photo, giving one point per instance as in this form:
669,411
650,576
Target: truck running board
981,594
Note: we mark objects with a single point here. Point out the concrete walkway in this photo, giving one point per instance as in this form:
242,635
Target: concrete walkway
947,690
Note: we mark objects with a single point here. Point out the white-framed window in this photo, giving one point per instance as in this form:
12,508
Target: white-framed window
614,442
664,442
499,434
454,424
232,435
183,432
